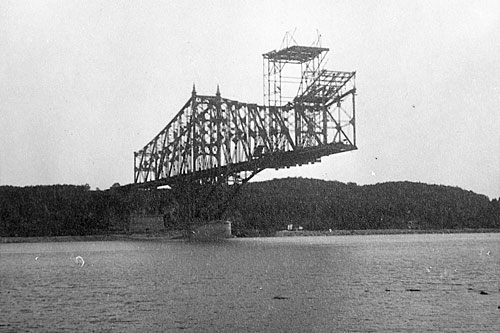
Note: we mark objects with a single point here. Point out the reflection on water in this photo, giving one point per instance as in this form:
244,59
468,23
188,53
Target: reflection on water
303,284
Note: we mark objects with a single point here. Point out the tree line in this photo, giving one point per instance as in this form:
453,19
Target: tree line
58,210
322,205
265,206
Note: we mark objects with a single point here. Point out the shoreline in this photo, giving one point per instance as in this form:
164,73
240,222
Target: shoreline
362,232
177,235
91,238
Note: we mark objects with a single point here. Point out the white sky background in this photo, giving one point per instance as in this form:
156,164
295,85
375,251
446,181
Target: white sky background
84,84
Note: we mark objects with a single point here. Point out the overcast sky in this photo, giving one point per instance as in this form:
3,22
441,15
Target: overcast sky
84,84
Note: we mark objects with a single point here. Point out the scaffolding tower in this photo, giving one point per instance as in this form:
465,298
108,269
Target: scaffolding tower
288,71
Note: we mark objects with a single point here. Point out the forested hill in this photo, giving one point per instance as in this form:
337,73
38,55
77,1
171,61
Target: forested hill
322,205
268,206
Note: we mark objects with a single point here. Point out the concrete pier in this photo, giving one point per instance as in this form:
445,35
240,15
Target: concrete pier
213,230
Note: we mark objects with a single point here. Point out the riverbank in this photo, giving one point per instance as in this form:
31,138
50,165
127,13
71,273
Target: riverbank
175,235
92,238
304,233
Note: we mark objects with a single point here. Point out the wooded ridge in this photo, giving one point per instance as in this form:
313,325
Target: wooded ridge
267,206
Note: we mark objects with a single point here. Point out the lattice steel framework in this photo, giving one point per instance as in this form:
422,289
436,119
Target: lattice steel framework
289,71
216,143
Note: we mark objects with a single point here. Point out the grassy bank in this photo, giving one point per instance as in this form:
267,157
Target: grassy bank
302,233
172,235
91,238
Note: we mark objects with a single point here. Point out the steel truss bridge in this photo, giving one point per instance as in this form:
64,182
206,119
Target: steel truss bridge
214,145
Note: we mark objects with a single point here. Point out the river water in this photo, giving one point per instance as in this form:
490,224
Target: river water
378,283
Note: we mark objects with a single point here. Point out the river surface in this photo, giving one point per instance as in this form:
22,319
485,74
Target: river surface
377,283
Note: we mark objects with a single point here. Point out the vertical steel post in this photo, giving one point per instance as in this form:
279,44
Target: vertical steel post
218,101
264,78
353,120
296,123
135,168
325,123
280,68
194,153
227,133
268,83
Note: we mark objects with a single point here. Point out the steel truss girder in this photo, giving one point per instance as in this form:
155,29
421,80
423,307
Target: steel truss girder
214,135
214,145
211,134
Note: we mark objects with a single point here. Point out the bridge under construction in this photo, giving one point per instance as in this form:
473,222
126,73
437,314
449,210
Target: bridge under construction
214,145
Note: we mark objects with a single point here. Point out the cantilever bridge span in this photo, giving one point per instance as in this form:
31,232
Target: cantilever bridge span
214,145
